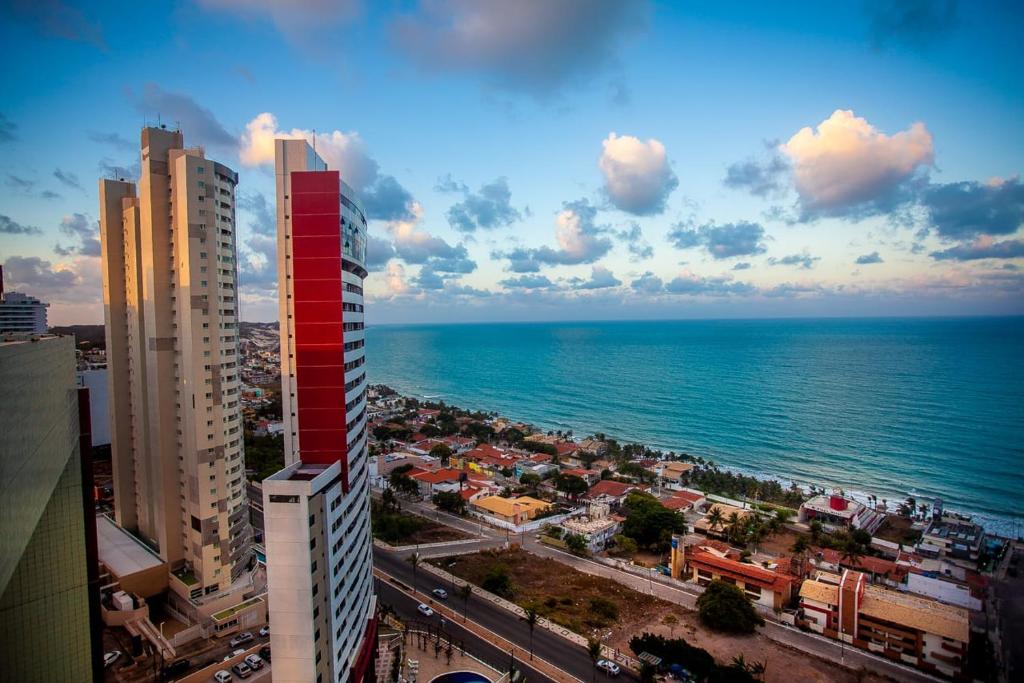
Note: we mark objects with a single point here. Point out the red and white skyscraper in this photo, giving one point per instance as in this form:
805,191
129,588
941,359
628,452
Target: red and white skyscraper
317,509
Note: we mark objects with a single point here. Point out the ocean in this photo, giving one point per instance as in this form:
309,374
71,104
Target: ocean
893,407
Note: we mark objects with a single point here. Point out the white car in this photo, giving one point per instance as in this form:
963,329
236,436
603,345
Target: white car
609,667
425,610
243,637
242,670
254,662
111,657
222,677
440,593
264,632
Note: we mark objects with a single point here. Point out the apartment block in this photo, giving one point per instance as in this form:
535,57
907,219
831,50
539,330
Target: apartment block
316,510
171,314
21,312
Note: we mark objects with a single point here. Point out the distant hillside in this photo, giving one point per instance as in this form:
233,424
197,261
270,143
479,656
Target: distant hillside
93,334
245,327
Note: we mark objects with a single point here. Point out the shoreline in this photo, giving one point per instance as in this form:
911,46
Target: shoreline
1003,526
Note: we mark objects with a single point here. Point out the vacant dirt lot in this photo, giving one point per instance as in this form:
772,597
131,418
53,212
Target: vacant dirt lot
564,596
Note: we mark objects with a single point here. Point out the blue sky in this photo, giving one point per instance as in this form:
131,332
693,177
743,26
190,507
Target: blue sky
546,161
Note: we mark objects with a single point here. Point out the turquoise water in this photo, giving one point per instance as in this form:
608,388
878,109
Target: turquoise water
929,407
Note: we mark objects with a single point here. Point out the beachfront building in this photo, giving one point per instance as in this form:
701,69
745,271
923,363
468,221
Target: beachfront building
765,586
171,318
952,537
906,628
835,512
317,509
610,492
515,511
705,526
673,474
685,500
21,312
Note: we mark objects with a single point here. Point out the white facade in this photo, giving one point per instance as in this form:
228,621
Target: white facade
99,405
21,313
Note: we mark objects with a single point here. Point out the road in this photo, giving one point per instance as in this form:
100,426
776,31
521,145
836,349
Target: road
549,646
812,644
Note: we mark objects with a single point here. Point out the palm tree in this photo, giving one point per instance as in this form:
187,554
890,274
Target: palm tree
715,518
815,530
735,526
531,621
464,591
852,552
594,650
414,560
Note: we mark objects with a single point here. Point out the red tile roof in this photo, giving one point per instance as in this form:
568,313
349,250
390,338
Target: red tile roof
437,476
566,447
872,565
609,487
748,573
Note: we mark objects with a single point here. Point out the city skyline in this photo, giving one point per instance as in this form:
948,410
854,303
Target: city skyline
634,162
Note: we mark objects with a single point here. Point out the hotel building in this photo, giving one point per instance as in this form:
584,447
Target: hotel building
21,312
908,629
316,510
170,308
49,592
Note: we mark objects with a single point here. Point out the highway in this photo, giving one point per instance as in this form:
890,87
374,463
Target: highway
549,646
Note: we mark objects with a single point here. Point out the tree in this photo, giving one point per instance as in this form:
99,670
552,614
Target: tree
624,545
594,650
650,523
724,607
852,552
715,518
414,559
464,591
783,515
530,480
442,452
531,621
571,485
450,501
498,581
388,500
576,543
816,529
670,620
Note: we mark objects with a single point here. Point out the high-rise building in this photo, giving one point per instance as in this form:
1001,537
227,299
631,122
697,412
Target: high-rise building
49,593
171,313
316,510
21,312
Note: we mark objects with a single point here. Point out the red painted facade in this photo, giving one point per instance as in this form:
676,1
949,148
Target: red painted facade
317,313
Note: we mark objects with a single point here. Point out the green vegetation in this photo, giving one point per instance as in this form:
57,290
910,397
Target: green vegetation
537,447
604,608
571,485
576,544
697,661
498,581
393,527
264,455
442,452
450,501
186,576
723,607
649,523
231,611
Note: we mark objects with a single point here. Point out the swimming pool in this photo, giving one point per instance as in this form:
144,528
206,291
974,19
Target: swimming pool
461,677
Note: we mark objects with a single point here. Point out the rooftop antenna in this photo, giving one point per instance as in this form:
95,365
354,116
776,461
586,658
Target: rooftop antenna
314,147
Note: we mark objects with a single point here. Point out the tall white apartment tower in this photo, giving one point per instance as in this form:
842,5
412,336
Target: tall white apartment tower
171,313
316,510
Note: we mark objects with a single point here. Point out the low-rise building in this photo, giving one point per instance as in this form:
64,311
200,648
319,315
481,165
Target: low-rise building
834,512
513,510
673,474
767,587
952,537
906,628
684,500
597,527
611,493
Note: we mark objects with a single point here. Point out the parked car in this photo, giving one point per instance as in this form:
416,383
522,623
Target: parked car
264,631
232,655
175,668
254,662
425,610
242,670
222,677
265,653
111,657
243,637
609,667
440,593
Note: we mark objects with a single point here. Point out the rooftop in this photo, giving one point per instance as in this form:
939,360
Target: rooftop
609,487
508,507
120,552
764,578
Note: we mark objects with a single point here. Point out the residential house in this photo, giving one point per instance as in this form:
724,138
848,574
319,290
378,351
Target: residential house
513,510
769,587
684,501
610,492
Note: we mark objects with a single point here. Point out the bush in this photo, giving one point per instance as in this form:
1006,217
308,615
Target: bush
537,447
604,608
724,607
498,581
675,651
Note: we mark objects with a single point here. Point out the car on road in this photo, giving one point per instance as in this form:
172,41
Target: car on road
232,655
175,668
609,667
242,670
254,662
111,657
440,593
264,631
425,610
243,637
222,677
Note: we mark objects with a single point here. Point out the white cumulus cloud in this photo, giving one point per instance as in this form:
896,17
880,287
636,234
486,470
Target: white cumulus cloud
846,162
638,177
